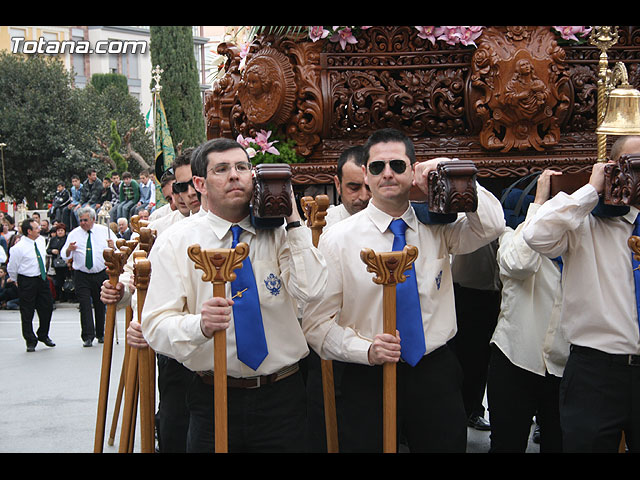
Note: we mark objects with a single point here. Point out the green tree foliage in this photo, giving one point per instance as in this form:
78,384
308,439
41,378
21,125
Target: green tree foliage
171,47
51,128
114,150
101,81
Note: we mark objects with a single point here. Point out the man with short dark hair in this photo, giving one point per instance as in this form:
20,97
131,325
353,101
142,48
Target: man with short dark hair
267,407
343,327
27,269
129,196
349,181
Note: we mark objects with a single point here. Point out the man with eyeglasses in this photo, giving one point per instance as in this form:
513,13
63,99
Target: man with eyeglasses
347,327
85,246
266,396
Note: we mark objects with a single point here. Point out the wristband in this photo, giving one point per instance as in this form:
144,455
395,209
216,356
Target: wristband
293,225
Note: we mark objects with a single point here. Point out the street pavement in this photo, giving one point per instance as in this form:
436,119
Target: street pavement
49,398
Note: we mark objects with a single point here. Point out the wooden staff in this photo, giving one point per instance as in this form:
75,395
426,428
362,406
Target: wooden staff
121,242
315,211
146,382
389,268
218,266
121,382
114,260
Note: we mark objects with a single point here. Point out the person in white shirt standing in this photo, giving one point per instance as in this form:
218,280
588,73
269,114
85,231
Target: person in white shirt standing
528,351
266,396
349,182
599,391
85,246
346,323
26,268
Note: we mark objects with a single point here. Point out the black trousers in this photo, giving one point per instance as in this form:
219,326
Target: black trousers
515,395
88,295
476,314
35,296
599,399
431,416
173,415
317,434
268,419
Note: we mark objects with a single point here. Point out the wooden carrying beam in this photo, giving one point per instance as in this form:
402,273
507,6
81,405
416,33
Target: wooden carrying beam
218,266
389,268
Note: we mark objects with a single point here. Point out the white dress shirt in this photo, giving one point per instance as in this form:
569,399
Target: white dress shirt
171,313
528,328
23,259
99,236
335,213
352,293
599,304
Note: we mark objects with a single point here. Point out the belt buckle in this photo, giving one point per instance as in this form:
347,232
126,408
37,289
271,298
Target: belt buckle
258,381
633,360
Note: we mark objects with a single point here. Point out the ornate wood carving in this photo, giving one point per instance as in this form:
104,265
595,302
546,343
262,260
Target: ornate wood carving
622,181
520,90
267,88
446,98
452,187
272,191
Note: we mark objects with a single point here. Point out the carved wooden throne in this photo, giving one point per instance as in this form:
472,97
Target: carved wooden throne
522,101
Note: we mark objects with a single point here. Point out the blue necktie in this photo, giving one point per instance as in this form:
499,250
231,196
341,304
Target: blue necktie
636,267
558,261
408,313
250,339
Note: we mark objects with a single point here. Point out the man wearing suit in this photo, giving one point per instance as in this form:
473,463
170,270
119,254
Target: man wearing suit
26,268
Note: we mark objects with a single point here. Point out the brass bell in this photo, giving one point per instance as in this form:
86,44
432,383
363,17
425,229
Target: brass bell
623,112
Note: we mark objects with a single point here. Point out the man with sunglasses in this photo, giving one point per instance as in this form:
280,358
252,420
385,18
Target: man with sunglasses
173,377
266,397
346,326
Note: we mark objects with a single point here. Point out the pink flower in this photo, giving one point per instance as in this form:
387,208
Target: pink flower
262,140
243,141
451,35
317,33
428,33
569,33
343,36
468,35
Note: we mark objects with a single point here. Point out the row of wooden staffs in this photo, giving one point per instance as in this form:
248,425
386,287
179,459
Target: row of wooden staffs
138,371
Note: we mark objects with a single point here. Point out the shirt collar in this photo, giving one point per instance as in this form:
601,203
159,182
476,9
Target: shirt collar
221,226
631,215
382,220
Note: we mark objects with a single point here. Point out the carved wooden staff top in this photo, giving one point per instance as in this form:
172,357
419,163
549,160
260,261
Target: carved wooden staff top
218,266
115,260
390,268
315,210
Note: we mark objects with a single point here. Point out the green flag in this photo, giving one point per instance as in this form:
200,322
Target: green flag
165,153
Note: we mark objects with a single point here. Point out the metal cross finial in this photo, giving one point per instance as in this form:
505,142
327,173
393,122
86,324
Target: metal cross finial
157,72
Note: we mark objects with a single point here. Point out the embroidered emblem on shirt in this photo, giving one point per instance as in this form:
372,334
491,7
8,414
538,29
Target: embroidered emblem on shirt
273,284
439,279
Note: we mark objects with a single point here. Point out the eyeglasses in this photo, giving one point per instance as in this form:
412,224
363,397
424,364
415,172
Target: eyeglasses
181,187
225,168
377,167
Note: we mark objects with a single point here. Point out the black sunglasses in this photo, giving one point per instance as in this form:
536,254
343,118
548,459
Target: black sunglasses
181,187
377,167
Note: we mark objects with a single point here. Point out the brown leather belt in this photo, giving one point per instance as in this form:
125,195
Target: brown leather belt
252,382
